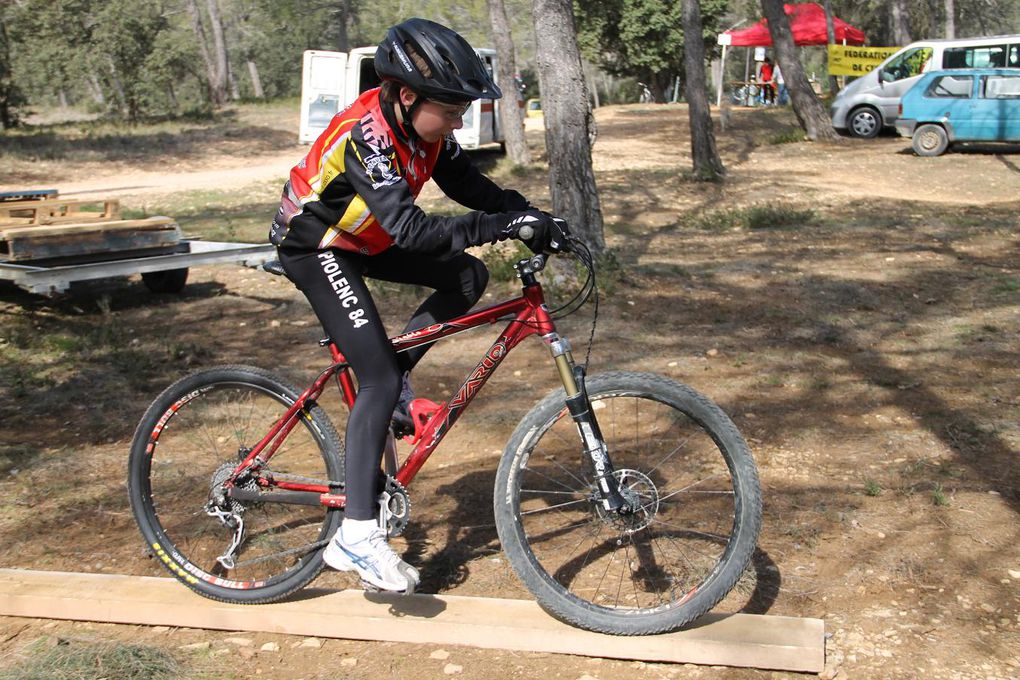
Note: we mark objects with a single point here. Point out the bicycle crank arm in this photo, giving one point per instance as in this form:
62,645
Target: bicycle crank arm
290,497
595,447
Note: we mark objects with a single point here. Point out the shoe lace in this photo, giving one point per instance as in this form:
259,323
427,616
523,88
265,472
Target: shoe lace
381,548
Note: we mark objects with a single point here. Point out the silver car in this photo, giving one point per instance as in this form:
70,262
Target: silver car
870,103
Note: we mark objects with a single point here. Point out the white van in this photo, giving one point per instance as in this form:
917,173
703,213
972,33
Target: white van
872,102
331,81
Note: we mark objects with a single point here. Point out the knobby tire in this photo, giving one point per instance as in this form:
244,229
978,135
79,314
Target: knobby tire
197,429
665,565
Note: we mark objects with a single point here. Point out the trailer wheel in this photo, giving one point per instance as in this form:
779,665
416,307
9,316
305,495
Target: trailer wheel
167,281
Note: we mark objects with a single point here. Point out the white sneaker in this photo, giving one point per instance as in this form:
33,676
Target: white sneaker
373,559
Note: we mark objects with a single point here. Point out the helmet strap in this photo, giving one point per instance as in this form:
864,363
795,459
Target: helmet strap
407,113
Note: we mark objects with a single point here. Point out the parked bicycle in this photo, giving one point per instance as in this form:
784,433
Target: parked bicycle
748,94
627,503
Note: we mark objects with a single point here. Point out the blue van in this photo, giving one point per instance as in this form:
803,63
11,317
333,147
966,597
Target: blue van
962,105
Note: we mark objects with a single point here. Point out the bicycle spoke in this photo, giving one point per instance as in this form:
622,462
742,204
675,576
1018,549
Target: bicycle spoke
197,450
553,507
556,481
672,543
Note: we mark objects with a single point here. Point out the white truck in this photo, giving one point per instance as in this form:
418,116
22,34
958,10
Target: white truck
331,81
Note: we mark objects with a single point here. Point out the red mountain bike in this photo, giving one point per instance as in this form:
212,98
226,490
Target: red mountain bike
627,503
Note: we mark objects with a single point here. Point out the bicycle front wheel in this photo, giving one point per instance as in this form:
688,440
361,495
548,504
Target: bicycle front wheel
678,460
187,444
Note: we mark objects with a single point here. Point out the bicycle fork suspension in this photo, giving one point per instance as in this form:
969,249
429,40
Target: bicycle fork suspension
581,413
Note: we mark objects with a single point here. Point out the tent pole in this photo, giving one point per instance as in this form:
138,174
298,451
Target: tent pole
722,76
747,65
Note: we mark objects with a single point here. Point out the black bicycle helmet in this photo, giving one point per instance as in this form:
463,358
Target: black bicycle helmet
458,74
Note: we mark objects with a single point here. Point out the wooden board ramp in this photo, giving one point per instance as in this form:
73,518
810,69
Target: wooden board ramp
748,640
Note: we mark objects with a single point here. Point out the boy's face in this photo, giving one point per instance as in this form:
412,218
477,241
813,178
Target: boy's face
434,120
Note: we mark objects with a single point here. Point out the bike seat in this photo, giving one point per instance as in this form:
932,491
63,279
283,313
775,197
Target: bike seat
274,267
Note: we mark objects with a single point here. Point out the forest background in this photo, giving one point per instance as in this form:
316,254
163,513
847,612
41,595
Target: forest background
145,59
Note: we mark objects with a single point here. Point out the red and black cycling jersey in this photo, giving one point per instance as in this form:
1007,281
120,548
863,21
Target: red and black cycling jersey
355,189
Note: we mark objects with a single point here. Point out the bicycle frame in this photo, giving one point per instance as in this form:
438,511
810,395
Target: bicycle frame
527,315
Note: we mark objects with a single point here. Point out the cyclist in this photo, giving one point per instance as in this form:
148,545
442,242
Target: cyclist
348,212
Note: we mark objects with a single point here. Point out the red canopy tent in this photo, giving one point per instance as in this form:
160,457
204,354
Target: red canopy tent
807,23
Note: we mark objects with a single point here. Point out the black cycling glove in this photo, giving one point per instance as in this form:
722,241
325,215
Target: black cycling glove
539,231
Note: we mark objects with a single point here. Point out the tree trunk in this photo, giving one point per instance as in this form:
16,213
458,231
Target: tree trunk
10,95
172,95
830,32
220,49
809,110
95,89
511,115
704,155
118,87
900,27
235,89
343,15
217,89
950,19
569,124
256,81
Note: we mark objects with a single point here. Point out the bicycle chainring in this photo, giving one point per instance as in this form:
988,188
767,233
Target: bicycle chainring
395,506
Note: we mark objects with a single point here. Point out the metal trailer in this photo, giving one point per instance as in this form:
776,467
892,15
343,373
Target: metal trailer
166,273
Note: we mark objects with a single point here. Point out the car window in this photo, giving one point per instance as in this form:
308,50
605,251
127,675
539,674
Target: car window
1013,60
953,87
985,56
907,65
1002,87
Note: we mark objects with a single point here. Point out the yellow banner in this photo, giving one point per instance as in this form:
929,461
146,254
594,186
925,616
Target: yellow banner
847,60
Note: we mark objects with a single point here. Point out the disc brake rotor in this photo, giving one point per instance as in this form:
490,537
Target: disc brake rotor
642,498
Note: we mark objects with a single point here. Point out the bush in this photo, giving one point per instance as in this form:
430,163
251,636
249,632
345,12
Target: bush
756,216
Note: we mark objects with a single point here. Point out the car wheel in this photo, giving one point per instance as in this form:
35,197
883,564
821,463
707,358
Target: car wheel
930,140
865,123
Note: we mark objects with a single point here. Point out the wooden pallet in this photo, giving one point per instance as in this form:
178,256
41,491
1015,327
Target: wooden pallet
21,243
57,211
27,194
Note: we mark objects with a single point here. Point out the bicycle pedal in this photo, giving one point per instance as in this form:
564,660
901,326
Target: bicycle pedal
422,411
372,588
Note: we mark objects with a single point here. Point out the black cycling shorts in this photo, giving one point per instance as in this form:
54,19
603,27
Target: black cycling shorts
333,282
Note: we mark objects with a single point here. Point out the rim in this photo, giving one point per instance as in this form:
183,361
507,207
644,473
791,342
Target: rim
670,468
864,123
198,439
929,140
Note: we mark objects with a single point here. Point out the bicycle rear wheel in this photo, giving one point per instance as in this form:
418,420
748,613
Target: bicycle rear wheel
699,507
186,445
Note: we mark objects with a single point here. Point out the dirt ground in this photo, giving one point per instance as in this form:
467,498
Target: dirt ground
867,351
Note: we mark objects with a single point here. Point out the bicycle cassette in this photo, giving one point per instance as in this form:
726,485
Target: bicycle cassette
394,507
218,495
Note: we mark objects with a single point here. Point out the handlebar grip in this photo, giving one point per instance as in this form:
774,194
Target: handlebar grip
525,232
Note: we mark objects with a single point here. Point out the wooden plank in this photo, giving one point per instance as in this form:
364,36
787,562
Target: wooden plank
148,223
768,642
23,244
50,211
